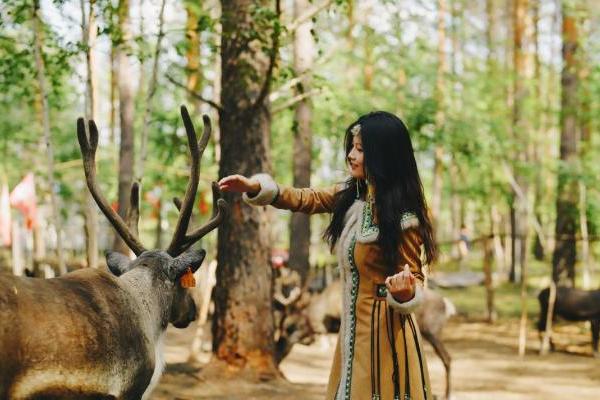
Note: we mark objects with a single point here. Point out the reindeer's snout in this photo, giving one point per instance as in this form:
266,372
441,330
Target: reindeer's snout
187,312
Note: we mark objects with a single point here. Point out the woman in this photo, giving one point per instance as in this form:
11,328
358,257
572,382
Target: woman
378,227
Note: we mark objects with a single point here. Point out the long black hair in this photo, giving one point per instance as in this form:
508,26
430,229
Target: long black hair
389,163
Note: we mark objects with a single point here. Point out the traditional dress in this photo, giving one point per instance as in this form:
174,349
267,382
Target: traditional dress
379,354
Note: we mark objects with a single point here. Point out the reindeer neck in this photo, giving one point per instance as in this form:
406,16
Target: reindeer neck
152,296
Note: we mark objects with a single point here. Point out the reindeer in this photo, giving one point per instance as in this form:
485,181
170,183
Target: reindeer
93,334
310,316
572,305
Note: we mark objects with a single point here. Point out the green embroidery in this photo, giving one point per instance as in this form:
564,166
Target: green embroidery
368,226
352,320
408,220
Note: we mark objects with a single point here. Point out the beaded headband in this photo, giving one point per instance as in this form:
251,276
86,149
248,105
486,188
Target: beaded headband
355,130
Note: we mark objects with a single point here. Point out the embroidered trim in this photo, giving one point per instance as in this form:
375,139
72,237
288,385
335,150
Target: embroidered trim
352,320
368,226
369,231
344,248
409,220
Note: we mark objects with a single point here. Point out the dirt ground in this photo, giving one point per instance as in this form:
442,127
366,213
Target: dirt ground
485,366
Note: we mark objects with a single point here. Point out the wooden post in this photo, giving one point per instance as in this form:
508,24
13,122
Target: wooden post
488,281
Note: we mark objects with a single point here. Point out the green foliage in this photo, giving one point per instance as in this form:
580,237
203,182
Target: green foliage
388,61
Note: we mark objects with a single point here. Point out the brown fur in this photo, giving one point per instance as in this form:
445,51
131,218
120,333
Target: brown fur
88,334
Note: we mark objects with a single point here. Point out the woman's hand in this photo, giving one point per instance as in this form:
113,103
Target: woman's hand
401,285
239,184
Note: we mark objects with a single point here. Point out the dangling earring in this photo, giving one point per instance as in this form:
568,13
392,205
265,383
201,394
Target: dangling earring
357,190
370,190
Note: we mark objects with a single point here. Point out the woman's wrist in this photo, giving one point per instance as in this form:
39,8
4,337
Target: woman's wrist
254,188
403,297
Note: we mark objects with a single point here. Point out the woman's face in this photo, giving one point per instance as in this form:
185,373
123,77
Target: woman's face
355,158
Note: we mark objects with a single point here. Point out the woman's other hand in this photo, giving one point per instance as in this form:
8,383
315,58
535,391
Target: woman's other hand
239,184
401,285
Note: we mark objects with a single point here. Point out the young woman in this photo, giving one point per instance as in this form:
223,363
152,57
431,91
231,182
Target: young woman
379,227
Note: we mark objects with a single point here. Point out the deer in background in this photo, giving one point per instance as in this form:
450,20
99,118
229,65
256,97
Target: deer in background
572,304
92,334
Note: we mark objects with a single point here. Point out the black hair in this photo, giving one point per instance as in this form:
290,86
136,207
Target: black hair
389,163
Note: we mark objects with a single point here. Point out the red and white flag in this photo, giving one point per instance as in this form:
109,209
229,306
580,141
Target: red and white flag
5,221
23,198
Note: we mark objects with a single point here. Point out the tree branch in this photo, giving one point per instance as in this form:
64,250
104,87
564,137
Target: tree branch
195,95
307,15
296,99
264,91
519,192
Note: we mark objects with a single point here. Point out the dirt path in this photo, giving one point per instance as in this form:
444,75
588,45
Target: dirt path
485,366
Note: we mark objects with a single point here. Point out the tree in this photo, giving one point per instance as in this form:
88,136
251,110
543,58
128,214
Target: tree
440,116
563,259
45,110
303,60
126,109
88,32
243,321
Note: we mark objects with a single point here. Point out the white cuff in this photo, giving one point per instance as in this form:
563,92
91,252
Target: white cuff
406,307
268,191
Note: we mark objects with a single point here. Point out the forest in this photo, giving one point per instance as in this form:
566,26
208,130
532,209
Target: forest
501,99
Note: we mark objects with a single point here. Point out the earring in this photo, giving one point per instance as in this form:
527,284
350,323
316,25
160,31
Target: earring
357,190
370,190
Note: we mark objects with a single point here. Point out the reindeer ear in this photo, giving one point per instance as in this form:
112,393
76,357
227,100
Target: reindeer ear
189,259
117,263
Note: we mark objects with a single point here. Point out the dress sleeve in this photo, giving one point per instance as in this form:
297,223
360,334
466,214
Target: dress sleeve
410,253
305,200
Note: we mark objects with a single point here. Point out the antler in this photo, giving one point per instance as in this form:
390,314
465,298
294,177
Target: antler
133,212
196,151
181,241
219,211
88,152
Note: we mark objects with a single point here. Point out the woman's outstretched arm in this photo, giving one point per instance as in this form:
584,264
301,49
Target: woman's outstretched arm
262,190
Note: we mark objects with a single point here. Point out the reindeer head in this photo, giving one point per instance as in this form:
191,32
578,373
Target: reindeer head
161,268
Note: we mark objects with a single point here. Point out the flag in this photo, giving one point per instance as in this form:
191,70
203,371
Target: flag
23,199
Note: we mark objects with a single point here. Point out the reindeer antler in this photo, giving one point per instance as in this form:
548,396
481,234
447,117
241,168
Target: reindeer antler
196,151
181,241
219,211
88,152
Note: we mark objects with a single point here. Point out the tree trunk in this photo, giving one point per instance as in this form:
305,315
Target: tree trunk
538,154
243,326
126,110
520,132
192,54
88,30
41,77
563,260
512,273
440,116
303,60
585,137
489,282
152,84
522,137
194,85
114,78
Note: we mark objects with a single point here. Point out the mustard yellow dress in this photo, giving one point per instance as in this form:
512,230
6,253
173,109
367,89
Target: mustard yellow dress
379,353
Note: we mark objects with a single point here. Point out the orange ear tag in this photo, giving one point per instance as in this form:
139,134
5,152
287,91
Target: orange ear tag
187,280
